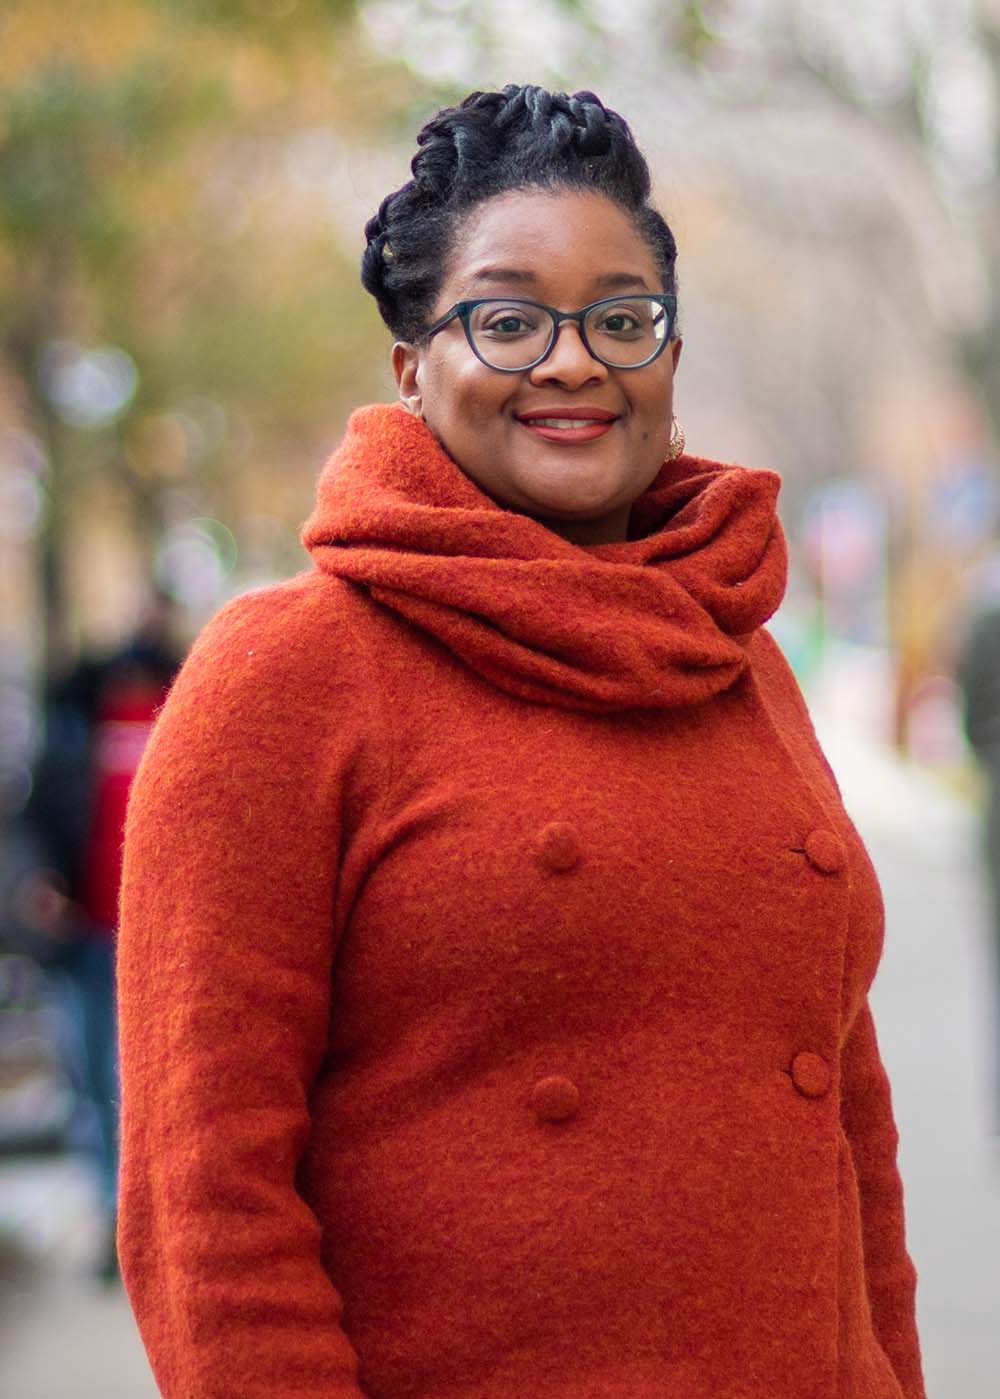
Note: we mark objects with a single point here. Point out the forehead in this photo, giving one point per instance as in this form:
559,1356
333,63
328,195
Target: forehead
551,245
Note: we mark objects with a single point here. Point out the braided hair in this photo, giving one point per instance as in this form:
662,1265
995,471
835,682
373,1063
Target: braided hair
521,138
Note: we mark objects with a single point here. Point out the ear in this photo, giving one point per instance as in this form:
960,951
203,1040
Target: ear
406,366
675,350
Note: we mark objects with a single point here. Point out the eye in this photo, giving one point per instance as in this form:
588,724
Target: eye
508,322
622,321
508,325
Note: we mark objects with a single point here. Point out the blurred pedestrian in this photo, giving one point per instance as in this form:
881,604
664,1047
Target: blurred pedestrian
97,720
978,673
495,946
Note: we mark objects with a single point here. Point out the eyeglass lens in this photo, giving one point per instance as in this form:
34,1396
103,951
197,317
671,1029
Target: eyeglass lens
621,333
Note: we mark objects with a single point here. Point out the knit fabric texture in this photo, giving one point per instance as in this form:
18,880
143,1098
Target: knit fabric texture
667,613
494,962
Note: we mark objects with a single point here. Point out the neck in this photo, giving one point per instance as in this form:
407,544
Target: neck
609,529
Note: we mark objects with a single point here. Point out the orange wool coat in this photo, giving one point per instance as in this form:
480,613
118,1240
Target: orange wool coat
494,962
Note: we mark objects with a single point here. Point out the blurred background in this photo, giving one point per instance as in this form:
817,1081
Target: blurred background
183,188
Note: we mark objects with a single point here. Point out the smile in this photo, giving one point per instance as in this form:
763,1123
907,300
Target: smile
573,427
564,422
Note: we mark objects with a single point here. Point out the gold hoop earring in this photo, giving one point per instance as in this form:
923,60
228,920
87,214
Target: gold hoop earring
677,441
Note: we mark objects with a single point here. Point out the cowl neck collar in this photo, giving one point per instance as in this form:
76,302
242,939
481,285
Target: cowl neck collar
659,620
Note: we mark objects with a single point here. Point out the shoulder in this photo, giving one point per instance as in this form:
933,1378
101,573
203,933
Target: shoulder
277,711
271,672
283,623
783,699
771,665
772,671
284,643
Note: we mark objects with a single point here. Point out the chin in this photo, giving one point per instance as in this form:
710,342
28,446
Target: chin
580,506
568,512
576,491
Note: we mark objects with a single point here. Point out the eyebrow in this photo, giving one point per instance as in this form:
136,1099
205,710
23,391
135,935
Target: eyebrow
519,276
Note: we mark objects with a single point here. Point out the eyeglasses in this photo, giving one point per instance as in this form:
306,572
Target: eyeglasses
622,332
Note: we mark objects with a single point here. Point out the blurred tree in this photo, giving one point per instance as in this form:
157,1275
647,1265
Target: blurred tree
175,304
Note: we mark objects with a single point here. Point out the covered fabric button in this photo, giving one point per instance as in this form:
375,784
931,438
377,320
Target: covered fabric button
825,851
557,847
810,1074
555,1098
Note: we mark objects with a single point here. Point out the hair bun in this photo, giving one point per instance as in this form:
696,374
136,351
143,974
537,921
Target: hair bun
493,142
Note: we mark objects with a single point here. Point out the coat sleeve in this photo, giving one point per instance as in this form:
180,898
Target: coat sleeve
866,1114
235,828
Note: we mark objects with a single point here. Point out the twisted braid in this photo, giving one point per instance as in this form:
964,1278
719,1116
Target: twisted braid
493,142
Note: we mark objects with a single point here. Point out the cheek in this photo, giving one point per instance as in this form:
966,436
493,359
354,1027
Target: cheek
652,405
465,395
653,408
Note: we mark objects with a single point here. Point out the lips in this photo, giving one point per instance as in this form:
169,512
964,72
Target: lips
581,423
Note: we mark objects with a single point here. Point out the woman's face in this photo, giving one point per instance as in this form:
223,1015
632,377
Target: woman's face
565,248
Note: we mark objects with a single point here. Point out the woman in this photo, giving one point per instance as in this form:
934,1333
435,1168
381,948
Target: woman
496,947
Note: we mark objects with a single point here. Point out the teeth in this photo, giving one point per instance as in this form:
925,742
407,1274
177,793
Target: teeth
564,422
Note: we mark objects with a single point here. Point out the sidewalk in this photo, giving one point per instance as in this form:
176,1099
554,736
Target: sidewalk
936,1010
62,1334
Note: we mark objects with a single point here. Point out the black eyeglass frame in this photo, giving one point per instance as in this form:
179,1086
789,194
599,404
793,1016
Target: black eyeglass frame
462,310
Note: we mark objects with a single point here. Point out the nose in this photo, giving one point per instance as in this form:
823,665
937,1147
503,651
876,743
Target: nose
570,363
